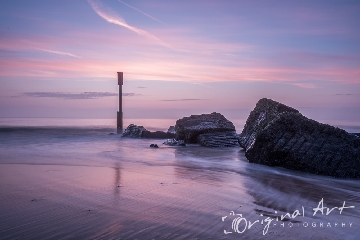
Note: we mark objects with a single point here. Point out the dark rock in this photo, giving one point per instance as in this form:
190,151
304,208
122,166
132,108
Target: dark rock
277,135
157,134
266,110
189,128
111,133
357,134
174,142
219,139
133,131
154,146
171,130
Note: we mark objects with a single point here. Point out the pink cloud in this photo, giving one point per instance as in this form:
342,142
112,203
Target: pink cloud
305,85
175,70
59,53
27,42
142,12
114,18
203,60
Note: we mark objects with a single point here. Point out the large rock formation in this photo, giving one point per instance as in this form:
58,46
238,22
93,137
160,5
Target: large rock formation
134,131
189,128
277,135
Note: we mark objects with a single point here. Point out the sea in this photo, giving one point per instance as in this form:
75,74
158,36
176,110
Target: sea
79,179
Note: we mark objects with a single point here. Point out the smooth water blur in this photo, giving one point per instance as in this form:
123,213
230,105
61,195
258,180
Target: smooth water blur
61,178
150,124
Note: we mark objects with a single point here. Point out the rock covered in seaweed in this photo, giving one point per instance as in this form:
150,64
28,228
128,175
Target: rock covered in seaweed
277,135
189,128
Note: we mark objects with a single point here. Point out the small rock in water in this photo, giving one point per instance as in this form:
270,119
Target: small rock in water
111,133
154,145
133,131
174,142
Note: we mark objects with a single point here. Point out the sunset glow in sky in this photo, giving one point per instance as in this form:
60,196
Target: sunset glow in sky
60,58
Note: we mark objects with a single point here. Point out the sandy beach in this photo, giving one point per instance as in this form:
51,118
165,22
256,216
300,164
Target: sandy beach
249,94
99,186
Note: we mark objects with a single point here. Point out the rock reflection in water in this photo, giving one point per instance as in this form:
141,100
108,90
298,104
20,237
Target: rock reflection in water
117,182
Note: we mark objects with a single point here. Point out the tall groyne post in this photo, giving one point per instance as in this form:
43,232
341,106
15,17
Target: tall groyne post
120,112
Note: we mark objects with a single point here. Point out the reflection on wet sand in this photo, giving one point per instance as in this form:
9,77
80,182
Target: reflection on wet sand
278,191
208,170
129,191
117,181
208,154
276,188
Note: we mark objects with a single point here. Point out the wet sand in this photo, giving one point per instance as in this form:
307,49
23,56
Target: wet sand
125,190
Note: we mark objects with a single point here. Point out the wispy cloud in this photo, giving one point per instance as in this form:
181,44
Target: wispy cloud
185,99
143,13
305,85
111,17
59,53
83,95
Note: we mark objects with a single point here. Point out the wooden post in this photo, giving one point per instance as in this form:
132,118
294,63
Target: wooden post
120,112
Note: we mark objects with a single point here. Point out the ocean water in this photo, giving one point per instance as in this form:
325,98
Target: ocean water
70,179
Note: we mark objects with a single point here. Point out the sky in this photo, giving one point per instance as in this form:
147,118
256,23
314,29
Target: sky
61,58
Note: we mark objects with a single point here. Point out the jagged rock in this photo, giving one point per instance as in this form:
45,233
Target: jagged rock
171,130
133,131
189,128
219,139
174,142
266,110
154,145
276,135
